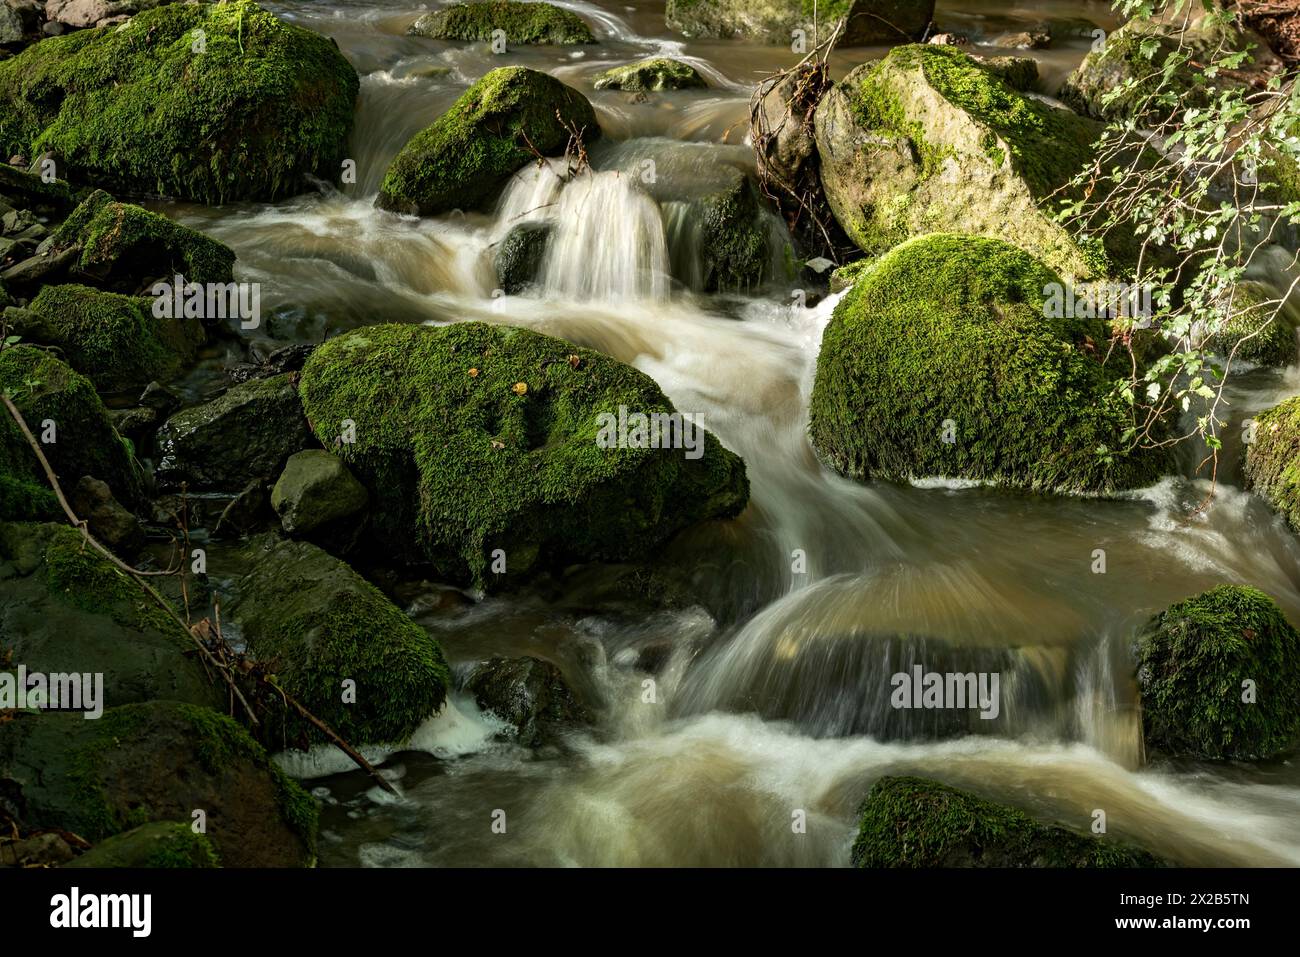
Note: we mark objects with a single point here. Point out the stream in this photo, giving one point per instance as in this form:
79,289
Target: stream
771,696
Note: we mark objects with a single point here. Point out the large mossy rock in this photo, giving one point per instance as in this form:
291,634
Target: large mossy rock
64,608
60,403
318,624
113,340
245,109
479,437
773,21
929,139
914,822
466,156
1272,465
655,73
162,844
159,761
126,248
528,23
247,432
1201,657
940,361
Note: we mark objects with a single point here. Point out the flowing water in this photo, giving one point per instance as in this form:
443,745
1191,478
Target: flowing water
771,695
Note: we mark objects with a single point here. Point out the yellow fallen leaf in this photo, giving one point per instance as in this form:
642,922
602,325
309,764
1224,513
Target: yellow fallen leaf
473,372
520,388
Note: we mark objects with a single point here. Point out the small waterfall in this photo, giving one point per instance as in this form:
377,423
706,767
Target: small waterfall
609,242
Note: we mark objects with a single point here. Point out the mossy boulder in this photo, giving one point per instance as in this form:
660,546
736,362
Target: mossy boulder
127,248
529,693
245,109
248,432
1220,677
314,491
61,404
1272,465
655,73
466,156
317,624
518,257
527,23
940,361
159,761
928,138
64,608
772,21
480,437
25,190
162,844
914,822
112,339
734,247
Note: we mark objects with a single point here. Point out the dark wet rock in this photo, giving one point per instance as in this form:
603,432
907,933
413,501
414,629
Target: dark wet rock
109,522
913,822
282,359
41,268
248,432
518,257
162,844
735,238
160,761
40,850
316,490
530,694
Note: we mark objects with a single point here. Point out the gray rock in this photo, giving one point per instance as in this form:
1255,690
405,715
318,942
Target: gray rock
112,524
316,489
518,257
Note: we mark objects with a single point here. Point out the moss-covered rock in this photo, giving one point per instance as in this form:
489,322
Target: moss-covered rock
209,102
655,73
734,248
772,21
530,694
928,138
1272,465
61,404
480,437
466,156
126,248
914,822
1220,677
112,339
1255,330
318,624
940,361
845,276
248,432
66,609
162,844
159,761
314,491
531,23
25,190
518,257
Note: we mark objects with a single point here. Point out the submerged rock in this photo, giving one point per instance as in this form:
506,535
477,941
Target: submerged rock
530,694
169,844
314,491
160,761
482,439
518,257
773,21
655,73
915,822
136,107
1272,465
528,23
941,361
248,432
929,135
1220,677
494,129
346,652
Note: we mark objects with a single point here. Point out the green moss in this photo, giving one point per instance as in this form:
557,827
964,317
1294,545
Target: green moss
655,73
952,329
46,390
136,107
876,104
1273,460
119,238
82,578
539,23
1193,662
465,463
161,844
846,275
735,244
913,822
463,159
105,335
183,848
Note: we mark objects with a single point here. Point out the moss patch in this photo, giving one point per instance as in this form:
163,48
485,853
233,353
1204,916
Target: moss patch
914,822
479,437
464,158
1273,459
1193,661
532,23
655,73
951,329
246,110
